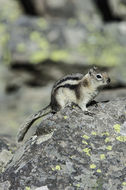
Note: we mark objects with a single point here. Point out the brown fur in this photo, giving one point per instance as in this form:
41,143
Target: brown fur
85,83
77,90
54,104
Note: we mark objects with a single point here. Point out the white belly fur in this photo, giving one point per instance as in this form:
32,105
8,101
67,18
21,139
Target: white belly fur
65,96
86,97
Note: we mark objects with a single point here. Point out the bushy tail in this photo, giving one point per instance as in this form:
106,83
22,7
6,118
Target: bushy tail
25,127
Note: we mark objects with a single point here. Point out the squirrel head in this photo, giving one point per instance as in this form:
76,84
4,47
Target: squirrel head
98,78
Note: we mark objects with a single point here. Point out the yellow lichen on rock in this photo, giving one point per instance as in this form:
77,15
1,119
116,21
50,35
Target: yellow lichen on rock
56,168
87,151
21,47
109,147
124,183
93,133
39,56
27,188
102,156
78,185
107,139
117,128
121,138
59,55
86,137
65,117
84,142
92,166
105,133
98,170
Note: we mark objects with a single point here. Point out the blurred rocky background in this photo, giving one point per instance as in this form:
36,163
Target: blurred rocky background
42,40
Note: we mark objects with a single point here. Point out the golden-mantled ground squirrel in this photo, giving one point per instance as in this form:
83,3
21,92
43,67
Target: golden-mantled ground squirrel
76,88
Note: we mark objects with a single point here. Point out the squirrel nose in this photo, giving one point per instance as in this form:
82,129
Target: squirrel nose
108,80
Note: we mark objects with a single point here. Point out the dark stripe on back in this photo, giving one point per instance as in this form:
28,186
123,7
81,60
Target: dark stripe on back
72,77
75,87
70,86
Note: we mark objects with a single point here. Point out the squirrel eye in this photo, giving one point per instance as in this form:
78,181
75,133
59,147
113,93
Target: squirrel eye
99,76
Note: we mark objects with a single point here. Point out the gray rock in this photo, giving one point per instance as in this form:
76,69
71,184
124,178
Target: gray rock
6,151
62,43
81,152
65,8
118,7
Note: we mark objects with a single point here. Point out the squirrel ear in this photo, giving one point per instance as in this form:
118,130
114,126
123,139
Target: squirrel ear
90,71
95,68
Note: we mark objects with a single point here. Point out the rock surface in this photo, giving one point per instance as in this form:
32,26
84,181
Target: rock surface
118,7
73,151
7,147
62,44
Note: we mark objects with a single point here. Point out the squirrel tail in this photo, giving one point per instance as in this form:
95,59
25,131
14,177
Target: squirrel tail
25,127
